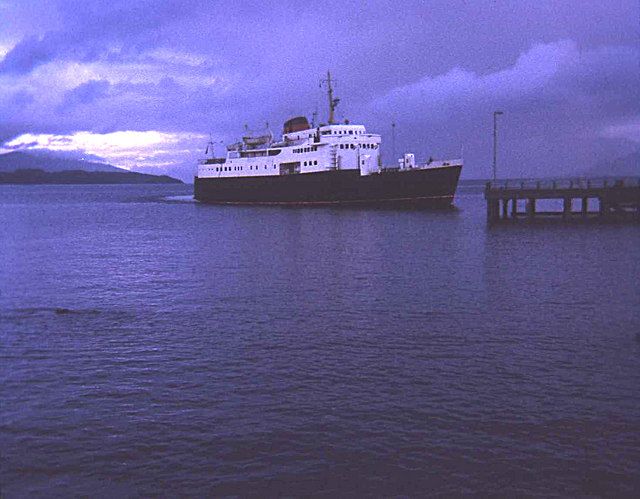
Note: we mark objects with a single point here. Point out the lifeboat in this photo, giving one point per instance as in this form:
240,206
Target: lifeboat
256,140
236,146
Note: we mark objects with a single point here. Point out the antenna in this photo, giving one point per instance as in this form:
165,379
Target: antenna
314,118
333,102
210,145
270,133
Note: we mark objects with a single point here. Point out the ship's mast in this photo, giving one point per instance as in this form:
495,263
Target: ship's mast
332,102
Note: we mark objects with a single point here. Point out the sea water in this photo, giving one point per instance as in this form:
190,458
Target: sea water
151,345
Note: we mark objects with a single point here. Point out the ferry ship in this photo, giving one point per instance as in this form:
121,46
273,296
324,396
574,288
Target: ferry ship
333,163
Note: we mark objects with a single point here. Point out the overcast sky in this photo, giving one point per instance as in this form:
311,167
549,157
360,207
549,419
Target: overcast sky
143,83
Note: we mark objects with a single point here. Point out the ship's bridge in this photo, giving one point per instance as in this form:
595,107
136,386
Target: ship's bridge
343,130
326,131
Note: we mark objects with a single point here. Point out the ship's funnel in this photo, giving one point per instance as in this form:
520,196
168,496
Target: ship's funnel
296,124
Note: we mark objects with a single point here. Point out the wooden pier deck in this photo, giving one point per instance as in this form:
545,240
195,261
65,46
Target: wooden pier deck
611,199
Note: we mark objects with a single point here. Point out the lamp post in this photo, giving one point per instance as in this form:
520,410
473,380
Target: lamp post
495,141
393,143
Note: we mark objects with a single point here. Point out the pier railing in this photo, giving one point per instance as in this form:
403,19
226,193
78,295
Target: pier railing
611,196
563,183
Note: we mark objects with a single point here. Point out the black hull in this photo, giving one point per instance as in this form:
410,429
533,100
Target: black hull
433,187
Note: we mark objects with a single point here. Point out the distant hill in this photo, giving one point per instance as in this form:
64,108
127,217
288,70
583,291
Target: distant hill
20,160
36,176
45,167
626,166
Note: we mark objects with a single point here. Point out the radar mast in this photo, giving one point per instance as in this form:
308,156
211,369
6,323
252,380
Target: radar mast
333,102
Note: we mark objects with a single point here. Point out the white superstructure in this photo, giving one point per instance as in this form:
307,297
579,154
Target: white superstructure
328,147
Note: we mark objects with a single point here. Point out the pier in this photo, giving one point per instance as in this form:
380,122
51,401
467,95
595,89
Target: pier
581,199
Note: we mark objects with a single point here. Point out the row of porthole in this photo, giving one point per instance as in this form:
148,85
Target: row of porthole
228,168
237,168
310,163
306,149
345,132
353,146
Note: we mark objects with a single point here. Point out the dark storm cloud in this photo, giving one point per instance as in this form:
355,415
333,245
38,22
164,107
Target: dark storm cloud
557,102
26,55
85,94
92,30
565,73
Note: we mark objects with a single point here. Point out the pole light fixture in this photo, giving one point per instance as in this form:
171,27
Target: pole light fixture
495,142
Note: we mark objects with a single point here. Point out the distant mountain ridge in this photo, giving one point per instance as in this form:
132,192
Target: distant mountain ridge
44,167
20,160
36,176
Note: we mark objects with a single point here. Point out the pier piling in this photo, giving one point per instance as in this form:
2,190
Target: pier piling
531,207
566,208
617,198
